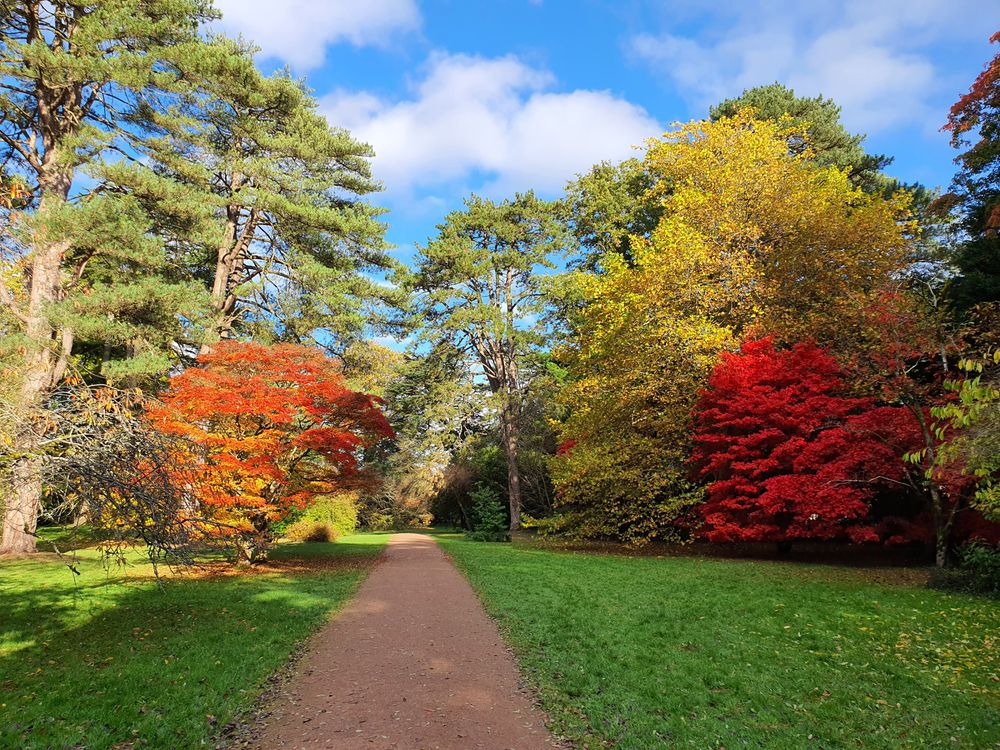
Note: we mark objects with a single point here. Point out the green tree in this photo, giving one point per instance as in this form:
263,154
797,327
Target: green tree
76,80
972,423
293,235
434,407
479,285
607,206
831,143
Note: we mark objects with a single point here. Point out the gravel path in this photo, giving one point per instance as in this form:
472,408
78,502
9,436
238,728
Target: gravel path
412,662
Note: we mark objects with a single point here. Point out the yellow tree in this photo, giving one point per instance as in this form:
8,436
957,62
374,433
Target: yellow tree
753,239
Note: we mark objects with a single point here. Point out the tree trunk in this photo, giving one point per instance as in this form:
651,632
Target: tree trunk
943,516
58,117
43,368
22,505
942,527
252,547
42,371
229,263
941,550
508,431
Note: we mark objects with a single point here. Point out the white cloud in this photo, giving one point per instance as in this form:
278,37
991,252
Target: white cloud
871,58
299,31
495,121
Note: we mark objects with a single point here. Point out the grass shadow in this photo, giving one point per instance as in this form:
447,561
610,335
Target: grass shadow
101,662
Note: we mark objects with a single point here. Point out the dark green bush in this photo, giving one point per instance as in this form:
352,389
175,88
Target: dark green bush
488,515
981,567
977,572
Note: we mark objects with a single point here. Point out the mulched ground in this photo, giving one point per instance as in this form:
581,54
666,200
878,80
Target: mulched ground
413,662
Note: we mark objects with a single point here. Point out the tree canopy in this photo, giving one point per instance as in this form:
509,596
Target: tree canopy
754,238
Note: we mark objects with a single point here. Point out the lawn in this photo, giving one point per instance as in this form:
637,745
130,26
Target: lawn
107,659
685,652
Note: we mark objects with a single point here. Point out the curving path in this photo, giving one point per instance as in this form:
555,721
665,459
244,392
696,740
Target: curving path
413,662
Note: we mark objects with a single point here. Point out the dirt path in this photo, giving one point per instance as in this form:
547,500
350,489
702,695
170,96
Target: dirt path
412,662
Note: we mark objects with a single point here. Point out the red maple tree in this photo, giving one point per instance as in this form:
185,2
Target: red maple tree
266,429
788,454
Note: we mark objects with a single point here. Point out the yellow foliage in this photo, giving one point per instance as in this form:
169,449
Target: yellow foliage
753,240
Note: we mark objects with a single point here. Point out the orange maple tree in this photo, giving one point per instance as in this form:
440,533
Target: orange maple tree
265,430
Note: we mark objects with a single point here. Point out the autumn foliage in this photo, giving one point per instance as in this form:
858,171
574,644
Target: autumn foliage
267,429
751,238
788,455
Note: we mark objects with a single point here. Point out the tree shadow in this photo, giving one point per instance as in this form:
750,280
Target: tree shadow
98,663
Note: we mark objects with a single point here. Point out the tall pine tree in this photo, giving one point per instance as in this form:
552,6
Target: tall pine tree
77,81
295,240
479,285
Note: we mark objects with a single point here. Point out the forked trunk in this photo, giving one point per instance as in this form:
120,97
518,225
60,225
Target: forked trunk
229,264
252,546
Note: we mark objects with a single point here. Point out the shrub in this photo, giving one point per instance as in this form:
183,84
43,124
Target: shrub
488,516
981,564
977,572
788,453
338,513
381,522
312,531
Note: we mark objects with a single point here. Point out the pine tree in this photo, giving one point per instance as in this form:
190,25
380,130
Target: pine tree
76,83
294,237
478,285
828,139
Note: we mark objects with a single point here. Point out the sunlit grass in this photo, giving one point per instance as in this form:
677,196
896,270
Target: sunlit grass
107,657
692,652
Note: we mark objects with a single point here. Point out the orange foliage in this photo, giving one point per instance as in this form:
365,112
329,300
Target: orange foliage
266,429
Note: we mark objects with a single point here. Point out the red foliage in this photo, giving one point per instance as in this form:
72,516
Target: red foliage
788,454
566,447
975,120
268,428
967,112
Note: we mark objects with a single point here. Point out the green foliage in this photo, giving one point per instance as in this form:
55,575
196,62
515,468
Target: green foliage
977,572
607,206
79,81
980,565
479,281
381,522
291,237
978,263
686,652
828,139
479,288
752,237
971,426
488,516
974,123
116,661
435,407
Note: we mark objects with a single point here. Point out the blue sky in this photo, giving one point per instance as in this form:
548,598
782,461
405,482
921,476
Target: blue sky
459,96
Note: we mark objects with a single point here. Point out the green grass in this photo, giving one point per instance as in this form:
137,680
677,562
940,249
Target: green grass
107,658
639,652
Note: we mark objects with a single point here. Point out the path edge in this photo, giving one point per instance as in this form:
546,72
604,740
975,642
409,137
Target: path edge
528,686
